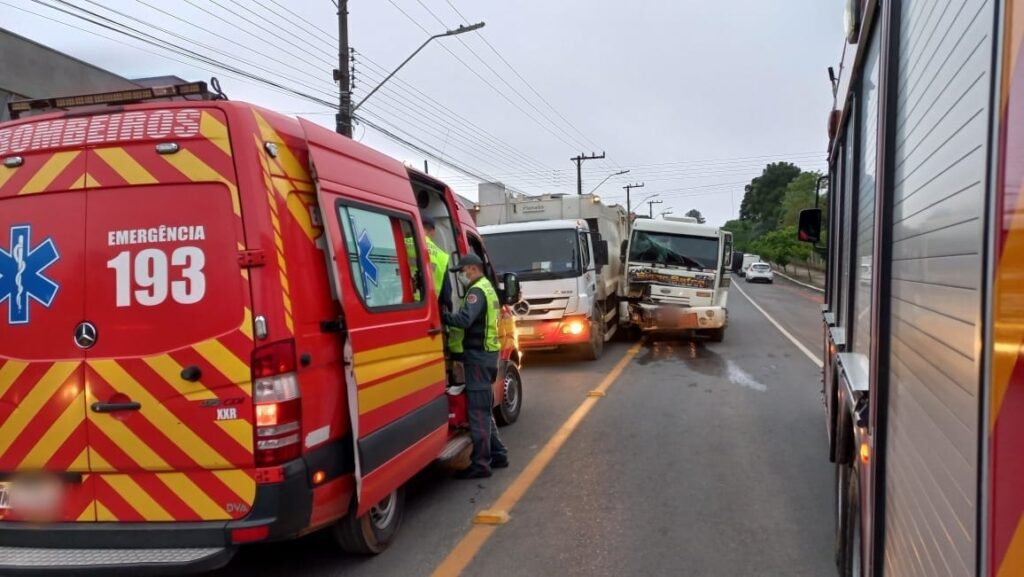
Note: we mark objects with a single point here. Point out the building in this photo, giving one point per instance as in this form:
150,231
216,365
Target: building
30,70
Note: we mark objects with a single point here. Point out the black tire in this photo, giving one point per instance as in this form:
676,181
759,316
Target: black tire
595,348
373,532
507,411
716,335
849,559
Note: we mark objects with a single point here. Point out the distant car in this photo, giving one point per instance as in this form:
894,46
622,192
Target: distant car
748,259
760,271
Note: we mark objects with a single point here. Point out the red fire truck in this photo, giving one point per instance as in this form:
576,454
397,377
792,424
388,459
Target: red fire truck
924,314
214,330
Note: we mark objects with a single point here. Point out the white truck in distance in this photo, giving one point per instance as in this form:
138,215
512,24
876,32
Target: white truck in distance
676,277
558,245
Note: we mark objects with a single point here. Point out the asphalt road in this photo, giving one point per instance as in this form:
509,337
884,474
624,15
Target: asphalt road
703,459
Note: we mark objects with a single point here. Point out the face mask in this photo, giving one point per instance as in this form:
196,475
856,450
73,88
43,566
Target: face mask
463,279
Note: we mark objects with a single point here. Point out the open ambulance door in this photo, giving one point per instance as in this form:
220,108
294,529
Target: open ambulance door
394,357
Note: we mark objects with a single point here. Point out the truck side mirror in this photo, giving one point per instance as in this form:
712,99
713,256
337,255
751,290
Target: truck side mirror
622,251
512,292
600,254
453,259
809,229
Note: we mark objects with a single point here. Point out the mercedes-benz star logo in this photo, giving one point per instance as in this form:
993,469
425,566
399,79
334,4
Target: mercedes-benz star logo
521,308
85,335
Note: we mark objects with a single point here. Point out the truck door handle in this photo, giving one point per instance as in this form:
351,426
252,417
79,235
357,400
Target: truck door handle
434,331
113,407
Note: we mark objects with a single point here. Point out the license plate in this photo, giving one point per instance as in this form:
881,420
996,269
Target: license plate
525,329
687,321
5,496
37,498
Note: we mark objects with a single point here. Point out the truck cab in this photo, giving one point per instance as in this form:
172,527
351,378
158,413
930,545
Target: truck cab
676,277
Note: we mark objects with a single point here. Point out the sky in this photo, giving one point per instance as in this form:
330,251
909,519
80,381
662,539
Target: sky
693,97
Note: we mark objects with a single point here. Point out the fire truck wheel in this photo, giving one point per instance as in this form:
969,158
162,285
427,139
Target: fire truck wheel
372,533
507,412
850,555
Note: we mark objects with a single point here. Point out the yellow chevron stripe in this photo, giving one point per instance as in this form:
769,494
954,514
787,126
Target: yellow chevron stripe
186,489
54,437
122,163
215,131
391,390
104,514
29,407
226,362
139,499
6,174
153,410
81,462
240,482
246,327
130,491
300,214
198,171
289,324
383,361
89,514
284,282
9,372
285,159
1013,562
80,183
128,441
240,430
170,371
46,175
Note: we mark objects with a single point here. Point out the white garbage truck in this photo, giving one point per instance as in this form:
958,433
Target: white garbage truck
558,245
676,277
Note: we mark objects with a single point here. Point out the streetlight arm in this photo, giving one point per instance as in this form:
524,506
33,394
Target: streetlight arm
459,30
620,173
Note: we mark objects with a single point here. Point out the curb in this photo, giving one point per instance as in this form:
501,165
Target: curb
791,279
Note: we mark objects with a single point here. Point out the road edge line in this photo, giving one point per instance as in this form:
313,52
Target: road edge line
814,358
473,541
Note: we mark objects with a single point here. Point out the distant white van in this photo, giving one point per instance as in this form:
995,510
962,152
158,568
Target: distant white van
748,259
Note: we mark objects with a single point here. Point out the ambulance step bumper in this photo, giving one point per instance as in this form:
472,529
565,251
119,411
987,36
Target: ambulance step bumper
52,561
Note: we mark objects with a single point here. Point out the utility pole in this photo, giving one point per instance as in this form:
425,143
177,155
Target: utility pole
341,75
579,168
650,206
629,207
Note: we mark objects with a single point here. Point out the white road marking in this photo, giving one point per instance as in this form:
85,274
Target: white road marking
814,358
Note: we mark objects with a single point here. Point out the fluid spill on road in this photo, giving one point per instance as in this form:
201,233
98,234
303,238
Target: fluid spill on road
696,356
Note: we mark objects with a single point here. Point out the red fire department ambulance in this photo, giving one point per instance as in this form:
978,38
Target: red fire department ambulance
212,333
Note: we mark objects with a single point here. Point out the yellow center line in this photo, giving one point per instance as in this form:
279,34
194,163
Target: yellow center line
471,544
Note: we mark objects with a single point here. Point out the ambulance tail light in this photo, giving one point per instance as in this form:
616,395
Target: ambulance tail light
278,406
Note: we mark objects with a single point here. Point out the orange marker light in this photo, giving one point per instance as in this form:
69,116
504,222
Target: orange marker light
319,477
865,453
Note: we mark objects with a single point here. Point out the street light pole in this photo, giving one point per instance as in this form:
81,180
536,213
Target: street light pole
619,173
341,75
460,30
579,168
629,206
650,207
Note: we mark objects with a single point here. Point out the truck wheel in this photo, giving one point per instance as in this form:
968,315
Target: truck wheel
373,532
507,412
716,335
593,350
850,555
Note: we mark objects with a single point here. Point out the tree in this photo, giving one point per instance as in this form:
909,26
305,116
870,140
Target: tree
763,196
694,213
742,234
781,247
798,196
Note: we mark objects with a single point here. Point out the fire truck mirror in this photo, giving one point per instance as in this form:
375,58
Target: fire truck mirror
810,225
511,285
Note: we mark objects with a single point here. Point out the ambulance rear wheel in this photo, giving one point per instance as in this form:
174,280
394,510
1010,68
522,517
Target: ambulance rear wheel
507,411
373,532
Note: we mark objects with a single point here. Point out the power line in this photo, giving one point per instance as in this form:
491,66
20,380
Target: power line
272,33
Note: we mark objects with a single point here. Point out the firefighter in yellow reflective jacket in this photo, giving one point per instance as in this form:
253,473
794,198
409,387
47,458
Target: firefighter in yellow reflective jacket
438,264
473,341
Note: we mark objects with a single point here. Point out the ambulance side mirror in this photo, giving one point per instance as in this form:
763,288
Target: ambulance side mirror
513,293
